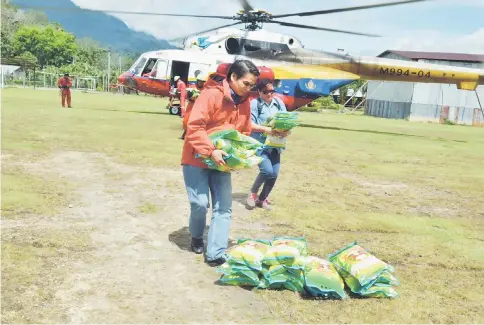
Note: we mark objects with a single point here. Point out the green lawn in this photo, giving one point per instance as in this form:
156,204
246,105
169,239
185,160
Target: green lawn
411,193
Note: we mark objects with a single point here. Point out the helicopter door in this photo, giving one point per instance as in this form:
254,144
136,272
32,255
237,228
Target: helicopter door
160,70
197,68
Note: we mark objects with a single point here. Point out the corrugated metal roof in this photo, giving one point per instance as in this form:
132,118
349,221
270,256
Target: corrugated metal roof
437,56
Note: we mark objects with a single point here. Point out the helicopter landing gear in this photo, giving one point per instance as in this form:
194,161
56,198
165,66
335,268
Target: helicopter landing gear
175,109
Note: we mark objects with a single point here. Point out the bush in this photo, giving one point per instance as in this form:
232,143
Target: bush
319,104
327,103
312,108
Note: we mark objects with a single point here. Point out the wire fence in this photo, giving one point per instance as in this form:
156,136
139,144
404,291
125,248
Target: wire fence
17,77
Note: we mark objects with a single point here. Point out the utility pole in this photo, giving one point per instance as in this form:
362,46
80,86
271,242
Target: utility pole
109,67
120,69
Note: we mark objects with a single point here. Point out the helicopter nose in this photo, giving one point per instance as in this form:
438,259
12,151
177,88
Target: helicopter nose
122,79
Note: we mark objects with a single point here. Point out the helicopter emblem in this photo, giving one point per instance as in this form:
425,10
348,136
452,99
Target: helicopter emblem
310,85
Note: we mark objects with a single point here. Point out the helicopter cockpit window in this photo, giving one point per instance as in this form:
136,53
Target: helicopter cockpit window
149,66
137,67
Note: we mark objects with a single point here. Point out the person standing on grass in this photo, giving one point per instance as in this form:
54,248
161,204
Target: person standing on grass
223,104
262,108
65,84
181,87
191,100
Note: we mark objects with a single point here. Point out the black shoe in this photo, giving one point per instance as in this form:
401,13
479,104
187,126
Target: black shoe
219,261
197,245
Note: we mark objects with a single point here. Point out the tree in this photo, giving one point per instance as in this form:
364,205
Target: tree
50,44
90,52
10,22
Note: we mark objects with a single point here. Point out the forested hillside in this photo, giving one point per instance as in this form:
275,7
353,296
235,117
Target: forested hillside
107,30
30,39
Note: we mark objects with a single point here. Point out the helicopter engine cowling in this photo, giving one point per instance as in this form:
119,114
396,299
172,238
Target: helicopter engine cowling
265,72
232,45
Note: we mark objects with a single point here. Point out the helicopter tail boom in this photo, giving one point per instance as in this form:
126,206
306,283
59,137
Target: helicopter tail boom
410,71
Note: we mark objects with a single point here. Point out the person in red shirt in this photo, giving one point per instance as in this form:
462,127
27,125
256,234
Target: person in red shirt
65,84
181,87
221,106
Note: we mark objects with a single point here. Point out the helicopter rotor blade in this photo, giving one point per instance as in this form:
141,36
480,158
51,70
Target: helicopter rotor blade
283,23
121,12
246,5
332,11
204,31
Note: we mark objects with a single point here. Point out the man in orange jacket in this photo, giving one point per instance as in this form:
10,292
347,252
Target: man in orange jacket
192,96
181,87
65,84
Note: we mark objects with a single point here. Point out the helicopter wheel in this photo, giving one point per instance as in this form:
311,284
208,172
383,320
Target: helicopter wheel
174,110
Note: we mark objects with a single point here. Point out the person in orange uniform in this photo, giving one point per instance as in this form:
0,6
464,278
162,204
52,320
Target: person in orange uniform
191,101
65,84
181,87
221,106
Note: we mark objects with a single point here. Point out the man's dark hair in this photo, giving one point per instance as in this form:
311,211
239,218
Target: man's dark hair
241,67
262,83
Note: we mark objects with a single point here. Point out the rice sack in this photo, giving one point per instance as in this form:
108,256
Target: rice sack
297,242
359,268
249,253
280,254
239,280
241,150
281,121
379,291
321,278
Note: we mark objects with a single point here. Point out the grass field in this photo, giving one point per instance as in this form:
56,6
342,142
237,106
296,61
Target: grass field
411,193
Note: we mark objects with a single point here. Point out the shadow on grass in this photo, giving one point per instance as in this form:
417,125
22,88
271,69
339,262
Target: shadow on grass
127,111
182,238
375,132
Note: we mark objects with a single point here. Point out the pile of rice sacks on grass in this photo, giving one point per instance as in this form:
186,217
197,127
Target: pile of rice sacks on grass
281,121
363,273
241,150
283,263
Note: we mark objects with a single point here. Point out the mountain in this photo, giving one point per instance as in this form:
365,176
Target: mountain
107,30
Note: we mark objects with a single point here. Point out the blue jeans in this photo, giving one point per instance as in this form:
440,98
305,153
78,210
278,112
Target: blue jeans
269,170
199,182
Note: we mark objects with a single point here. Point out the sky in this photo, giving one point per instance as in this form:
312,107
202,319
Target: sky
434,25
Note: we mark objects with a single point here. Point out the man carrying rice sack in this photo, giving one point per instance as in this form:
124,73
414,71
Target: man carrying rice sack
263,108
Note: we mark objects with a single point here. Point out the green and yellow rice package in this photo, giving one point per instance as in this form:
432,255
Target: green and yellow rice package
241,150
248,252
387,278
355,263
379,291
238,269
322,279
281,121
239,280
295,284
298,242
280,254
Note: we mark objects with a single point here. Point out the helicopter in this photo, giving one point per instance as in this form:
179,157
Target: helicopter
300,75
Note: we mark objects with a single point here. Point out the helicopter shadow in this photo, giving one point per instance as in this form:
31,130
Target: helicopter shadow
377,132
127,111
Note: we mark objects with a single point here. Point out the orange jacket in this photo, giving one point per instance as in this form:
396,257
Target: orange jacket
63,82
214,110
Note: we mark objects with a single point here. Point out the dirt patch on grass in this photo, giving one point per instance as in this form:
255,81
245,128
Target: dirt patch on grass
139,269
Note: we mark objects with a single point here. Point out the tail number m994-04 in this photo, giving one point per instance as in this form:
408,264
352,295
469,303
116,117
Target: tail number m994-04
403,72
